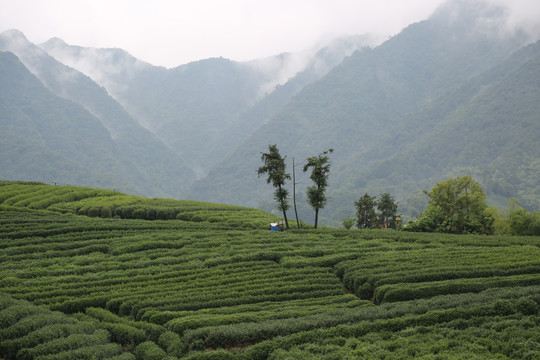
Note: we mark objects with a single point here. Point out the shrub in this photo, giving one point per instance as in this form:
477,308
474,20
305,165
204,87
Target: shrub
149,351
172,343
123,356
106,212
87,353
527,306
99,337
348,222
125,334
504,307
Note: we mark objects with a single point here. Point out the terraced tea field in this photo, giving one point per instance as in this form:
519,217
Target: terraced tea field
87,273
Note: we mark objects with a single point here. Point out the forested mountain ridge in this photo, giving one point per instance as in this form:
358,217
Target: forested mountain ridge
207,101
47,136
369,100
153,167
487,127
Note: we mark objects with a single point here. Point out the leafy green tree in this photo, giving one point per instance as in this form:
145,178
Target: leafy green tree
515,220
387,208
348,222
522,222
319,175
275,167
456,206
500,220
366,217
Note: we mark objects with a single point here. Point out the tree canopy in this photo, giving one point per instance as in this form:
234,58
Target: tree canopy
320,169
372,213
456,206
366,217
387,208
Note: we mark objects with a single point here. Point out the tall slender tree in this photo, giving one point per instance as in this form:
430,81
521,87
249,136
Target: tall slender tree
275,167
387,207
366,217
319,175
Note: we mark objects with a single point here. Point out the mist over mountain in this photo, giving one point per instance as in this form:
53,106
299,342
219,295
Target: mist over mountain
202,102
455,94
369,100
50,138
144,161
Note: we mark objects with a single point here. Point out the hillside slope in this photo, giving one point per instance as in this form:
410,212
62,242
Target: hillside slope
220,285
488,127
64,129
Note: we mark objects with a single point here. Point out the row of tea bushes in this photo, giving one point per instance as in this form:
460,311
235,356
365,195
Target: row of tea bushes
28,331
496,323
111,204
421,273
204,289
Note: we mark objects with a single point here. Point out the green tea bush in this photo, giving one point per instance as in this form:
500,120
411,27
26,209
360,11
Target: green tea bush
16,311
99,337
172,344
125,334
86,353
527,306
409,291
123,356
43,335
149,351
33,322
107,204
213,355
103,315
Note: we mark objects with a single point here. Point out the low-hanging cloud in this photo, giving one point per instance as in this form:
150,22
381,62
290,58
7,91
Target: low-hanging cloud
523,15
171,33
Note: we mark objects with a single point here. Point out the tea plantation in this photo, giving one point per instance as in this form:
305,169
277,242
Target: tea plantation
97,274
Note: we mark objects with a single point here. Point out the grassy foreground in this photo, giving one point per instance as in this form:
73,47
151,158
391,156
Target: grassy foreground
144,278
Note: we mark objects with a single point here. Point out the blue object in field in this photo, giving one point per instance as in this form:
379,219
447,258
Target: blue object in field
274,226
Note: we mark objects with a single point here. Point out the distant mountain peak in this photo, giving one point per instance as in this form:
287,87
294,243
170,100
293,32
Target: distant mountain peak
15,39
319,59
55,41
14,34
16,42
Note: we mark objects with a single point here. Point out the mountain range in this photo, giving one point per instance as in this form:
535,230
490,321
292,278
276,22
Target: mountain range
454,94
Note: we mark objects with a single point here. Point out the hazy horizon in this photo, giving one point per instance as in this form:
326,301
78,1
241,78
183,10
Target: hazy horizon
171,33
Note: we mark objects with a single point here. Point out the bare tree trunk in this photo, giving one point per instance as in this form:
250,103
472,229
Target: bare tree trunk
294,194
286,222
284,213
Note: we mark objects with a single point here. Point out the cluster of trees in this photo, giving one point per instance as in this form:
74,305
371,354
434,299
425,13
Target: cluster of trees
459,206
456,206
515,220
275,167
372,213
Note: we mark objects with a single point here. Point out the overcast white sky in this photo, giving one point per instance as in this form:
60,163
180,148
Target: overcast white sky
174,32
